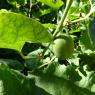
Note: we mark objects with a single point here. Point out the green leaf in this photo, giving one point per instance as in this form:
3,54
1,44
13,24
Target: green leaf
88,59
49,25
56,4
85,39
88,82
61,71
16,29
59,86
13,64
60,80
92,30
6,53
45,11
18,1
72,73
14,83
74,10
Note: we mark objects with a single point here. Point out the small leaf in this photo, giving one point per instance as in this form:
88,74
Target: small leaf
56,4
18,1
49,25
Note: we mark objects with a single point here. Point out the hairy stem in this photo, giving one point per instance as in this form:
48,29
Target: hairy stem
59,27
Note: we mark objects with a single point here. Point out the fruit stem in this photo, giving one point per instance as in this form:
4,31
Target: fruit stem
59,27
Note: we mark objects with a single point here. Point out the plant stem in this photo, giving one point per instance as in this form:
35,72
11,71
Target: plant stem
30,6
46,63
82,19
59,27
90,1
92,10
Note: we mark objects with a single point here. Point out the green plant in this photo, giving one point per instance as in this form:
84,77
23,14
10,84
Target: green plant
47,47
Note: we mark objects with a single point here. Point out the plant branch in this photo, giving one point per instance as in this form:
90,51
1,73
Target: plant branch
30,6
91,11
90,3
46,63
43,65
59,27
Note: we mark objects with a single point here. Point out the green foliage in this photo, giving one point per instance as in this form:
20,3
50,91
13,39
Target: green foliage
59,86
85,41
28,65
89,60
12,82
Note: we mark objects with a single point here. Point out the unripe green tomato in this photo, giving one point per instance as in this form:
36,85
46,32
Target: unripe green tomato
63,46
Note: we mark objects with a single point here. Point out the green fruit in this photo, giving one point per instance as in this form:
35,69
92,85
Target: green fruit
63,46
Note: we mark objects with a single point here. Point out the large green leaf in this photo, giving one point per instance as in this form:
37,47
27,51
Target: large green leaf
62,71
14,83
59,86
16,29
56,4
60,80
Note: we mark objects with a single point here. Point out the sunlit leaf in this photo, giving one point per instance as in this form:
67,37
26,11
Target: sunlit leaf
59,86
56,4
16,29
